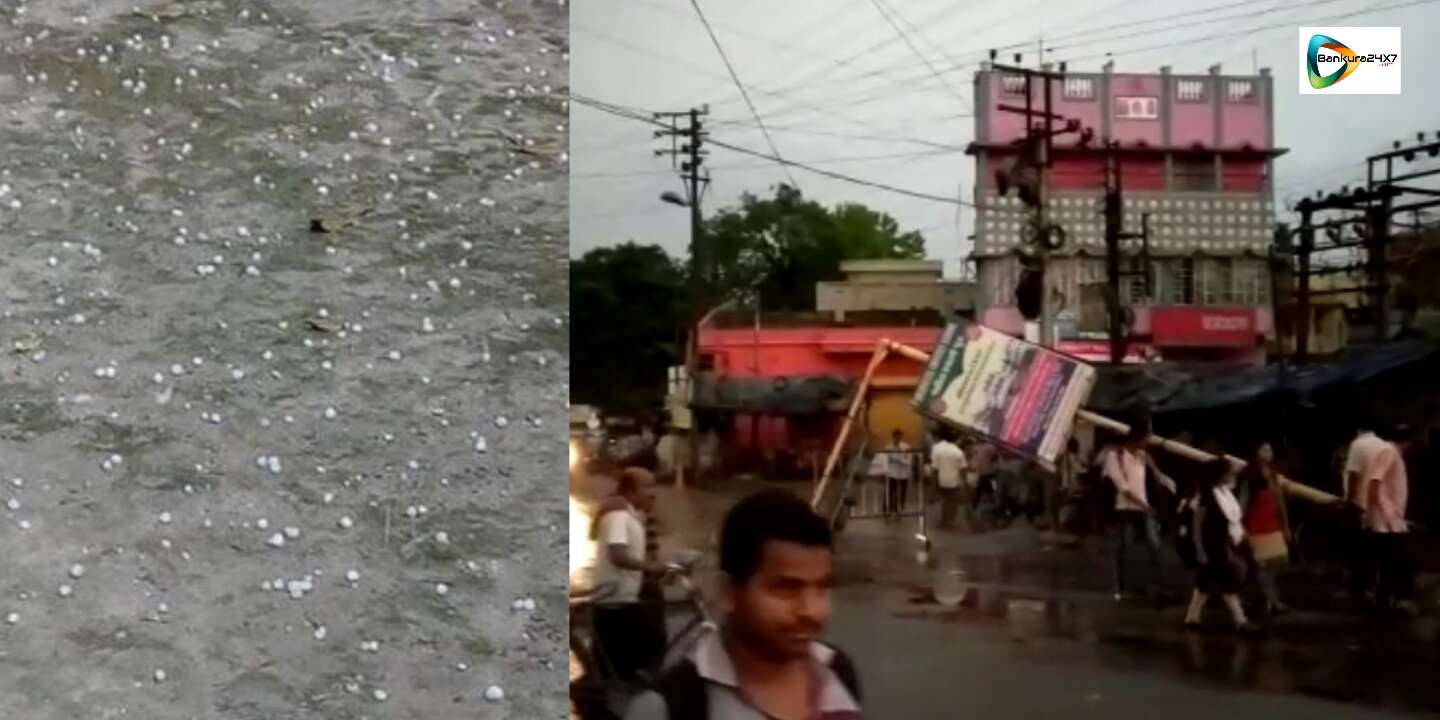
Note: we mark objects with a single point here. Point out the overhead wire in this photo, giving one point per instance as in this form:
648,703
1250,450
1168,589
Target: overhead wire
885,12
736,77
759,166
640,117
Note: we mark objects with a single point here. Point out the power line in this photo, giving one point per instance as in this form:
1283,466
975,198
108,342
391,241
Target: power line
758,121
1271,26
758,166
847,136
630,113
885,13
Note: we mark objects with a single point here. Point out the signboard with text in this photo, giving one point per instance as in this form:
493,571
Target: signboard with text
1021,395
1204,327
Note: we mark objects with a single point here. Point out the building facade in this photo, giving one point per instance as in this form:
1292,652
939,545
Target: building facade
1195,154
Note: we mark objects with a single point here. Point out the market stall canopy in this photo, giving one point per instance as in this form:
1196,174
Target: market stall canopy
1176,387
795,395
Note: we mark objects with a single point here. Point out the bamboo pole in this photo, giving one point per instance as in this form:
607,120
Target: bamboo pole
1288,486
882,349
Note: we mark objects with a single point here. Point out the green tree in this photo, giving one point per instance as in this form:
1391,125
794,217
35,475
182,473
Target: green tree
628,306
783,245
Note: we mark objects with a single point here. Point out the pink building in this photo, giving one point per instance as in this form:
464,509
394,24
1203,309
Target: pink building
1196,154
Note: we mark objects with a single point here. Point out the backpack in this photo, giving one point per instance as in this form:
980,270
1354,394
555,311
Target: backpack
685,693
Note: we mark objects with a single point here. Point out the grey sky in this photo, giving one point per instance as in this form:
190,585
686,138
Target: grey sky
655,55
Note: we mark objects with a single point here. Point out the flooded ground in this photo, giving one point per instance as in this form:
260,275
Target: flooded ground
255,471
1032,631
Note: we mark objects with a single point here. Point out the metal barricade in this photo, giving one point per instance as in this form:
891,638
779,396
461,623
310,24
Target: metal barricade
891,485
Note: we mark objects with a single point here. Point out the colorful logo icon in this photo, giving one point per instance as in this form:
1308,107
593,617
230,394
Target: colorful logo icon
1342,53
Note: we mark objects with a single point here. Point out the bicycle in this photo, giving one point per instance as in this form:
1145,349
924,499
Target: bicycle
596,692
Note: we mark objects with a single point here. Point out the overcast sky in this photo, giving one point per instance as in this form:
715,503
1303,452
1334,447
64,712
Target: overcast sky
824,73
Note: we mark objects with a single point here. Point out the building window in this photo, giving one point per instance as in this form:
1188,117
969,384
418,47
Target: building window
1252,282
1190,90
1079,88
1013,84
1132,289
1193,174
1240,91
1216,282
1178,276
1137,108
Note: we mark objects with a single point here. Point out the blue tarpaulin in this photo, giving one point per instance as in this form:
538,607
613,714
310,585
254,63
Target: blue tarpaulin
1168,387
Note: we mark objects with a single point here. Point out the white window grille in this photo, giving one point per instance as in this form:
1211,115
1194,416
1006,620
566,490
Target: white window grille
1190,90
1137,108
1013,84
1079,88
1240,91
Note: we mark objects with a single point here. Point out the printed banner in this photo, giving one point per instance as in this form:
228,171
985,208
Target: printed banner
1020,395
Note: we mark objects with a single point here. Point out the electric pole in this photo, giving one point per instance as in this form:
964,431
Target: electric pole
1034,161
688,154
1113,218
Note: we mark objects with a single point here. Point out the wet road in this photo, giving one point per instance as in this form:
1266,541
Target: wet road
1037,633
212,415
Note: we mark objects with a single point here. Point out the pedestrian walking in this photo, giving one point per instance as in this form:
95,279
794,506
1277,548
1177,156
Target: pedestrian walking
947,464
900,470
625,625
766,661
1218,533
1387,485
983,460
1360,549
1125,466
1267,523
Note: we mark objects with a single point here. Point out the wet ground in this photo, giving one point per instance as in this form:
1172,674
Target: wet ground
211,415
1035,631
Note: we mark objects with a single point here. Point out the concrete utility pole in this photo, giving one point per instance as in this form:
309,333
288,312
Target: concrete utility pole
686,147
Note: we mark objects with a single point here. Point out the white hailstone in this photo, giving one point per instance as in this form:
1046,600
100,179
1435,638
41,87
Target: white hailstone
330,413
427,325
165,518
442,589
274,464
177,369
502,421
381,695
394,355
370,645
292,532
197,361
12,618
494,693
320,633
158,378
237,374
455,283
352,575
346,522
160,676
411,512
77,571
65,591
329,496
24,524
442,537
13,504
163,608
461,666
268,355
277,540
262,523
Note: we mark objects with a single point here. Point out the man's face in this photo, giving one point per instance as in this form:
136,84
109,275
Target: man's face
785,606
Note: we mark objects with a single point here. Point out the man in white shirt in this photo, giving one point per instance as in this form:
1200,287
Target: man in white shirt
1125,465
626,631
1355,489
900,468
947,464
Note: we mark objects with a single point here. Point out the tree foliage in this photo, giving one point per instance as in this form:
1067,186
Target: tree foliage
782,246
628,308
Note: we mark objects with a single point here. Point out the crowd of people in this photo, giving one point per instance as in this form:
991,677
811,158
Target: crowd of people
1229,522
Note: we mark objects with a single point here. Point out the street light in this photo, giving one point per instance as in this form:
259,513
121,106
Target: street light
674,198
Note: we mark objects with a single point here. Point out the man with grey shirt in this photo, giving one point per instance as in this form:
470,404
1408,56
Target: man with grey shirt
766,662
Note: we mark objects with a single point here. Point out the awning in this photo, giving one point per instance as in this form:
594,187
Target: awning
795,395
